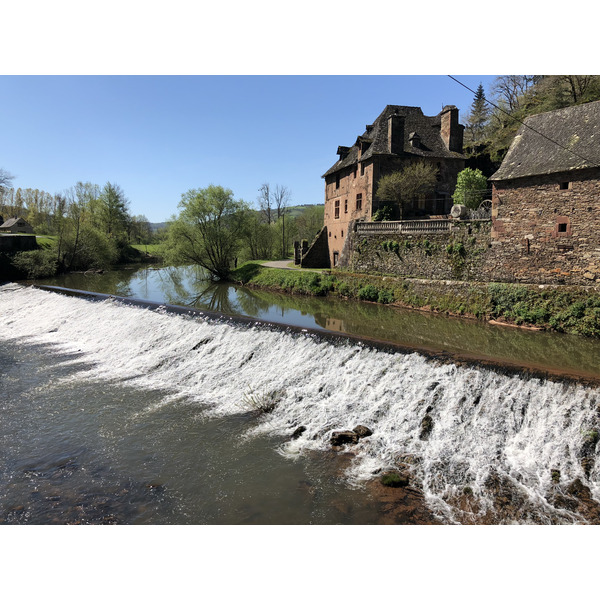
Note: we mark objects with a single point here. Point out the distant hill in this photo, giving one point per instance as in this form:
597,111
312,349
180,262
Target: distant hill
156,226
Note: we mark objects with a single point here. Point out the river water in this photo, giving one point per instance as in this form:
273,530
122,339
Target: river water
120,414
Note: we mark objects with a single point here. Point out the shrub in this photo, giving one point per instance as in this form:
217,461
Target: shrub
369,292
385,297
35,263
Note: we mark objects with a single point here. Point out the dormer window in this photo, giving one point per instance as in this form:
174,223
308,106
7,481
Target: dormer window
414,140
565,185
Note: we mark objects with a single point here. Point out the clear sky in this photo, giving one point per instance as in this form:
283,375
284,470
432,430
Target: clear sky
158,136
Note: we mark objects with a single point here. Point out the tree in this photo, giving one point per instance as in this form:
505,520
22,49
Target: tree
471,188
5,179
413,182
113,209
479,115
281,199
265,202
208,230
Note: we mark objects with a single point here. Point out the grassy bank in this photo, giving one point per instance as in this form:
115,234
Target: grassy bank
558,308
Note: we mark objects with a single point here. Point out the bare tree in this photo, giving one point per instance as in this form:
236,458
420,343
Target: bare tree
5,178
511,88
265,202
281,199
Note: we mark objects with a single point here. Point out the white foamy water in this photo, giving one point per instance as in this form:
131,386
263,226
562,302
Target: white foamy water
483,423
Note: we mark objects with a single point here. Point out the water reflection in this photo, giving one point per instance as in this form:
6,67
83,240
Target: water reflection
186,286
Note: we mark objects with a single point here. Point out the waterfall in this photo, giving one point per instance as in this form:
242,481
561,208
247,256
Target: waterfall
482,445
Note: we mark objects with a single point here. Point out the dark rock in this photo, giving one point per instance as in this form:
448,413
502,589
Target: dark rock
579,490
339,438
587,464
394,479
426,427
362,431
298,432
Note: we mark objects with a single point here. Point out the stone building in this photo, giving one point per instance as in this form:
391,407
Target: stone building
399,136
545,199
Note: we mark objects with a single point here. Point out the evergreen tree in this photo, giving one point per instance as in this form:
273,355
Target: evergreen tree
478,117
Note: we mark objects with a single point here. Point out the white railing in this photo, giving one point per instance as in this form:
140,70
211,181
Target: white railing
424,226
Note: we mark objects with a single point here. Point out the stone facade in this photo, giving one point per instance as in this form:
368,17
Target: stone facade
399,136
545,211
547,228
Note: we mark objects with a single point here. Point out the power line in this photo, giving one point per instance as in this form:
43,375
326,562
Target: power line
587,160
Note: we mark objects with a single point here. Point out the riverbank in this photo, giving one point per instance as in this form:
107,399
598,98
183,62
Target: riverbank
564,309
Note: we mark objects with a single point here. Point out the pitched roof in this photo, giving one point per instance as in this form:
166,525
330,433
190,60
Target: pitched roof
13,221
576,129
427,129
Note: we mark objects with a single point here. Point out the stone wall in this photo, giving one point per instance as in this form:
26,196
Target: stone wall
317,255
547,229
464,253
17,243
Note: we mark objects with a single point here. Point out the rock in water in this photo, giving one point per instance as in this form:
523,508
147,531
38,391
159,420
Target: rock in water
339,438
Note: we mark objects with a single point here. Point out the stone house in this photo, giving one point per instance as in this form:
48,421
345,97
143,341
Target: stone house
545,199
16,225
399,136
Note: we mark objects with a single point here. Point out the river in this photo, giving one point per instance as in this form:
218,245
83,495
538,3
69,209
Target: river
119,414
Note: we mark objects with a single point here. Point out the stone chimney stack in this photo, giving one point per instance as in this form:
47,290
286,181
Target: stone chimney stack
396,134
450,130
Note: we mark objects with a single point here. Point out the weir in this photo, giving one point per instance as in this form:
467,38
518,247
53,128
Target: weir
501,365
482,445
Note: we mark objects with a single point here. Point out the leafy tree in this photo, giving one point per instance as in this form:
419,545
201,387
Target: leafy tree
415,181
208,230
113,209
471,187
310,222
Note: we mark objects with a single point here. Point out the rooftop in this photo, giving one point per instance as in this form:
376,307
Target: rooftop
576,131
415,122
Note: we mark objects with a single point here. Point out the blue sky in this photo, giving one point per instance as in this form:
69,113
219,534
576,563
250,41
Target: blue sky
158,136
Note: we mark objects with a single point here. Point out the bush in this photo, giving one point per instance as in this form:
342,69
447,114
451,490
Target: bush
35,264
368,292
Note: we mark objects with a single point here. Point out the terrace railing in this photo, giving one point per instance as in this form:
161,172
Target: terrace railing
407,227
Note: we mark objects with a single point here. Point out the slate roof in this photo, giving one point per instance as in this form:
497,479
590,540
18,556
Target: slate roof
12,221
427,128
576,128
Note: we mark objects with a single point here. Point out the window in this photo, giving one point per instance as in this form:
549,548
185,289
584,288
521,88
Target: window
565,185
342,233
562,228
337,181
355,171
346,206
358,201
336,256
337,209
362,169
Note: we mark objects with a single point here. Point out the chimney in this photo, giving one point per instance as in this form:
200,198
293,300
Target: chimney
450,129
396,134
343,151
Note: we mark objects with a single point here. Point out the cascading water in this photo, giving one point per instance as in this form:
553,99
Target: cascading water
484,447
